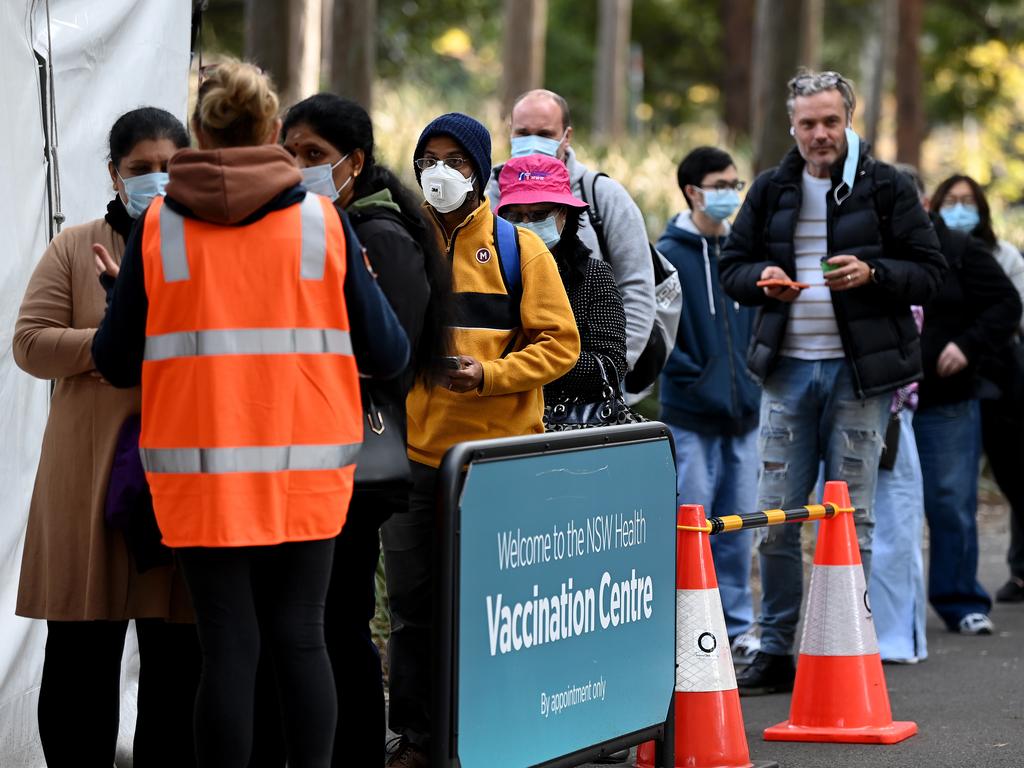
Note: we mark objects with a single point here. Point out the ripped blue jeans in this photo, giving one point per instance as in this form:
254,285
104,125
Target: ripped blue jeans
809,415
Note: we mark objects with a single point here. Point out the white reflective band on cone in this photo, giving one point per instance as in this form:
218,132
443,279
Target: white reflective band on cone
703,656
838,620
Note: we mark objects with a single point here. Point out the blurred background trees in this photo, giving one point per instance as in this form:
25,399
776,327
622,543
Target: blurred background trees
939,83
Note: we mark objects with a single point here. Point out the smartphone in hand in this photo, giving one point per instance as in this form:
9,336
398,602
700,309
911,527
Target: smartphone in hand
452,362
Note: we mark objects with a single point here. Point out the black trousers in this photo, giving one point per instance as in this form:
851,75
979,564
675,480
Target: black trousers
245,596
80,693
409,540
1002,434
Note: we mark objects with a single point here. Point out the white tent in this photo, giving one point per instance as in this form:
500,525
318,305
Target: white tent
108,56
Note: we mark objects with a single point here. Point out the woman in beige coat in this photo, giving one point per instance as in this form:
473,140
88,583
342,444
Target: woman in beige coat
77,571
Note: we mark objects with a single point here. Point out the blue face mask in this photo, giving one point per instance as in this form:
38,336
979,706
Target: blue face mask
140,191
720,204
546,230
319,179
962,217
535,145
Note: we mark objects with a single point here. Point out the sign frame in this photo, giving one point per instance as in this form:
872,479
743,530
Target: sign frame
451,479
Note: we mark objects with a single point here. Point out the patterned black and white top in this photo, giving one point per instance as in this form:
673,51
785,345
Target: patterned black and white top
600,319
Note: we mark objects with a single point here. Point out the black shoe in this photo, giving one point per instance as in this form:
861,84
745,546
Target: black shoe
1012,591
767,673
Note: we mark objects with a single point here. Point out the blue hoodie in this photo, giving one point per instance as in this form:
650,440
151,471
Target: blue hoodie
705,386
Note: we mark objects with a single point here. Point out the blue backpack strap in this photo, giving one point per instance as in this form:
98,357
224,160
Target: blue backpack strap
507,242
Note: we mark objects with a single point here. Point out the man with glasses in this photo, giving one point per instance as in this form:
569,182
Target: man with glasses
541,124
833,247
707,399
513,332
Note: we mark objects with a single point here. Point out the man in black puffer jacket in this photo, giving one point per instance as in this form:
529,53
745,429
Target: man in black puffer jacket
830,350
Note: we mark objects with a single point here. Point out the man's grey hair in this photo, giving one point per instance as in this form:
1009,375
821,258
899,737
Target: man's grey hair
808,83
563,105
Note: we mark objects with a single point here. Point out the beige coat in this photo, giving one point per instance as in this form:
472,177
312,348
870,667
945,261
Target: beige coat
74,566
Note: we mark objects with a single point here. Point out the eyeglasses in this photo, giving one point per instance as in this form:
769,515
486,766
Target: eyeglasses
455,163
827,79
532,217
721,186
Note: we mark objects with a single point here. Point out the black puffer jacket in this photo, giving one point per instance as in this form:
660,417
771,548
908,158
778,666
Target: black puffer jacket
882,223
977,308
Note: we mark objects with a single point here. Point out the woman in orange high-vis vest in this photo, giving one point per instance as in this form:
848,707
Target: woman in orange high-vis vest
244,305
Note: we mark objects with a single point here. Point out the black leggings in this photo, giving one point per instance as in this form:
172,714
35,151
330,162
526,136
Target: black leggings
80,693
276,594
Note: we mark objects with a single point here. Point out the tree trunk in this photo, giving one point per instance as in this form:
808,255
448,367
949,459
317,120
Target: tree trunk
354,49
910,125
877,63
613,29
737,18
526,24
283,37
812,30
776,52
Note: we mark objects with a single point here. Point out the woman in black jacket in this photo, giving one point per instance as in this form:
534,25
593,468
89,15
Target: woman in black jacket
973,315
535,194
332,140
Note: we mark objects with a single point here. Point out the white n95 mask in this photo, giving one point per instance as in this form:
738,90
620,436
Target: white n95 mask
445,188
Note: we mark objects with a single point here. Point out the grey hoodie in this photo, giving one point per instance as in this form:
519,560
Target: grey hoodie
628,249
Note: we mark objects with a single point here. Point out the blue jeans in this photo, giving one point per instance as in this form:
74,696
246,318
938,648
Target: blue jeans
720,473
896,586
810,414
949,442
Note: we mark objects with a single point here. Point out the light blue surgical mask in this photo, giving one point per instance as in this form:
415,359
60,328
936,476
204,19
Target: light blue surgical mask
319,179
140,191
720,204
962,217
546,230
535,145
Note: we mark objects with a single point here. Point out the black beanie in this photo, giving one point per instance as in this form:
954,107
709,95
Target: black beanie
470,133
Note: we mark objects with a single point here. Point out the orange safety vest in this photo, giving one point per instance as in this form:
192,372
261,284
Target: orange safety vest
251,414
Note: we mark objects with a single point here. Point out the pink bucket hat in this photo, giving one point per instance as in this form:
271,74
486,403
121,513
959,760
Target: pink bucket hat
536,179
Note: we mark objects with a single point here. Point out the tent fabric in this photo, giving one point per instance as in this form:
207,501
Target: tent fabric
109,56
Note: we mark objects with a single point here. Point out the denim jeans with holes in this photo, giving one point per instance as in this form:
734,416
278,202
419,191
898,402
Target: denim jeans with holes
810,414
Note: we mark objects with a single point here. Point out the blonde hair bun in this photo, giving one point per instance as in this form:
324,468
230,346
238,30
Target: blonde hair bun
237,105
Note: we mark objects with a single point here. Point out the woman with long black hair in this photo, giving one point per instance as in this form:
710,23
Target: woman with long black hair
332,141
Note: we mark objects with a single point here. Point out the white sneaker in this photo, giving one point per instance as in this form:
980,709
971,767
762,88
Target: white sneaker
976,624
745,645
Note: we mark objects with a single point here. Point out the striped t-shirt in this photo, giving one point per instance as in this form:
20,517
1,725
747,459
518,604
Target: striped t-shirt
812,333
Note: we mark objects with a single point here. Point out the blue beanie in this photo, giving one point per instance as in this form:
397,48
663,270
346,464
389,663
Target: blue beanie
470,133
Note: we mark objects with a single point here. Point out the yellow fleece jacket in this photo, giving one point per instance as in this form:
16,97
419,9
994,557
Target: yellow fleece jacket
520,348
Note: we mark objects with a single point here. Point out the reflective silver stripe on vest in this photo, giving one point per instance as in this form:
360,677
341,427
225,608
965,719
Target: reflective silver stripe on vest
219,461
172,245
249,341
314,238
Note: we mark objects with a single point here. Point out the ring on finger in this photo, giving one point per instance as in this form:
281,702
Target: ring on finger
849,278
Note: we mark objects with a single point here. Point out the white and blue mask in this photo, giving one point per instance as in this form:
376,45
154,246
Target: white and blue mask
319,179
546,230
140,191
962,217
521,146
720,204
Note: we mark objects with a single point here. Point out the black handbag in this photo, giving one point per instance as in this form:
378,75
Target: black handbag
383,458
573,413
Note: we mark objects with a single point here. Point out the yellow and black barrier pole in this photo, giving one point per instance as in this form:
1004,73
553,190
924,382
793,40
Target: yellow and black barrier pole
729,523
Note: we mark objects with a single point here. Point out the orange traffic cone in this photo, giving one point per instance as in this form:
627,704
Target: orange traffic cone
709,724
840,693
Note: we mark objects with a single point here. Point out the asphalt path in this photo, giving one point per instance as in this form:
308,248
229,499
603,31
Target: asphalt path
967,697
